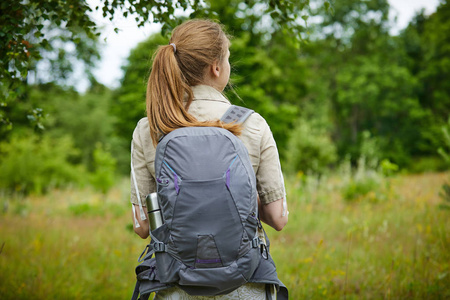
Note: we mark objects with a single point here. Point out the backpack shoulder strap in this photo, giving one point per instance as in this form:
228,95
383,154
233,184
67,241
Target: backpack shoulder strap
236,114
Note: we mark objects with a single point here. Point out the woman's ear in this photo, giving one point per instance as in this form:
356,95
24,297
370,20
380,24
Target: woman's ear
215,69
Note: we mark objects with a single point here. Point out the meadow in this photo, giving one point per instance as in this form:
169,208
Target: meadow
394,244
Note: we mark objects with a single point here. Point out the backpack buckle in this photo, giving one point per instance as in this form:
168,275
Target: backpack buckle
256,242
159,247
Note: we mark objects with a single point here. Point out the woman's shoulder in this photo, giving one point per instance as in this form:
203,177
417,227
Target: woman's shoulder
141,133
142,126
142,122
256,124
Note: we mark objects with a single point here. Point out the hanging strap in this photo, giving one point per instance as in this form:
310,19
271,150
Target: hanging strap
236,114
269,292
135,295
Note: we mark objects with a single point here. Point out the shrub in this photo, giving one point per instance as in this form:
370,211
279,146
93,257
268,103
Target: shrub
444,150
309,149
368,181
358,188
445,192
34,164
445,196
104,169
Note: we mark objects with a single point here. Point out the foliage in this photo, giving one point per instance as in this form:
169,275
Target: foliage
369,99
425,42
104,169
35,164
435,63
426,164
375,82
75,125
369,89
444,151
281,14
445,196
86,118
388,168
25,31
364,183
60,32
445,190
309,149
103,209
29,29
368,181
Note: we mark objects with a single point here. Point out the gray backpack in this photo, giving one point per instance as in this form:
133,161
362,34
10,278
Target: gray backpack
208,244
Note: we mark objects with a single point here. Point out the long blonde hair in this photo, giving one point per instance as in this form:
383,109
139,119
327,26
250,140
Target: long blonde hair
198,44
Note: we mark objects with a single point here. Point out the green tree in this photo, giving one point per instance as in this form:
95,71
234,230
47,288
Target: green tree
31,28
59,32
85,118
362,74
427,42
73,148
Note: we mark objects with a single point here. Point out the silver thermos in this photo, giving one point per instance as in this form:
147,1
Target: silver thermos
154,211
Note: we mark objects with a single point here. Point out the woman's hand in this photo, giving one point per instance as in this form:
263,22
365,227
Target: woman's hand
143,230
272,214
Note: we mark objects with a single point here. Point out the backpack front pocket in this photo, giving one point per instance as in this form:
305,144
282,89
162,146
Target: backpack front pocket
206,208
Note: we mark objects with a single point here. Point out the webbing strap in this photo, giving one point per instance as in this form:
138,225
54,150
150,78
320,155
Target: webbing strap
268,292
147,253
136,291
236,114
158,246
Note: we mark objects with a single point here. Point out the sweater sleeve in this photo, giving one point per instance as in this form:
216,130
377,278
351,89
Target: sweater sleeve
142,181
270,183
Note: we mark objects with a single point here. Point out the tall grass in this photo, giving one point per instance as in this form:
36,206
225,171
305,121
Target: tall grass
78,244
395,249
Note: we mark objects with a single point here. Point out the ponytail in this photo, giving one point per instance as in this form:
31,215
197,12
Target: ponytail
169,92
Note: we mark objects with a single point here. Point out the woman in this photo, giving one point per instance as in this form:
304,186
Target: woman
185,89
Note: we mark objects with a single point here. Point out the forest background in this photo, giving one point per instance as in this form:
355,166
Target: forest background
344,97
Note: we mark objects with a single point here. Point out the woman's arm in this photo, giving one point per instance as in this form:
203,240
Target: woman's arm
143,229
272,214
142,181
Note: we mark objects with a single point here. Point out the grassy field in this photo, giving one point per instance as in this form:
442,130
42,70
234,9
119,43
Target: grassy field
78,244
